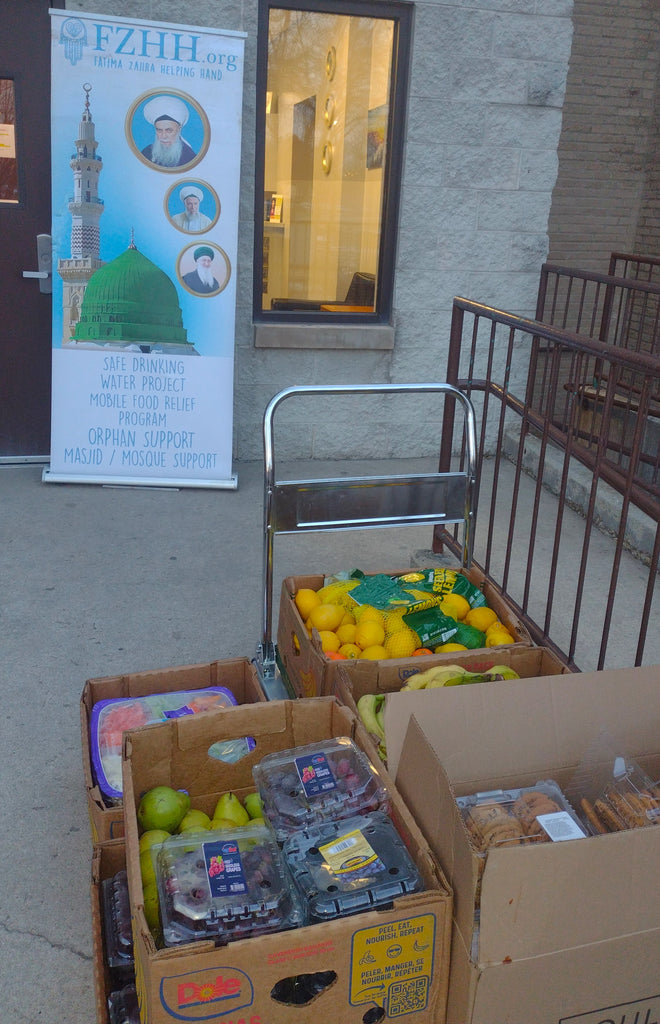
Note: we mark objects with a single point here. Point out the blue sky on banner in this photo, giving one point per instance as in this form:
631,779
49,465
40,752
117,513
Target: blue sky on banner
127,63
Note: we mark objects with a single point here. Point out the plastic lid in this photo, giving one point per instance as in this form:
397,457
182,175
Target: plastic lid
225,885
318,782
352,865
111,718
520,817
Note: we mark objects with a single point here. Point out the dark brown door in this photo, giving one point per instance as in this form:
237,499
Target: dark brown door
25,311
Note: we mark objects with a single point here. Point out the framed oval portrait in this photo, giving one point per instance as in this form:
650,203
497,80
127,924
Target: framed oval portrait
204,269
192,206
167,130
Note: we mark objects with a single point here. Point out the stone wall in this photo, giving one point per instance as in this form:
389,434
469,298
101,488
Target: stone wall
484,119
606,196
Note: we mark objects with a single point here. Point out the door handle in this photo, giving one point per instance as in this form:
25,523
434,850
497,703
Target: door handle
45,263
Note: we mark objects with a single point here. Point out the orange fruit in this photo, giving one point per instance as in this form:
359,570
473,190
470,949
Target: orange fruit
481,618
329,640
326,616
350,651
442,648
306,599
376,652
421,651
335,656
369,633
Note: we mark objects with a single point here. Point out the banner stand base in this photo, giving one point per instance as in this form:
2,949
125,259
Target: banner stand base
177,484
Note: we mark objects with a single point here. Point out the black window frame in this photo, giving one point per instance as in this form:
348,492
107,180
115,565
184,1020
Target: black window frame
401,13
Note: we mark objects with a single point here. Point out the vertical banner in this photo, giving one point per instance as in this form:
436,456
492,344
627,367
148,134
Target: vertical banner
146,148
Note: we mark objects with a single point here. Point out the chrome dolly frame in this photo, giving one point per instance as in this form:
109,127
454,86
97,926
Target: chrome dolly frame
349,503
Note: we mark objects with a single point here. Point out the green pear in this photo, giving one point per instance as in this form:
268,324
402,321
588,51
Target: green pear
229,806
222,824
153,837
152,907
147,869
256,821
193,820
162,807
253,805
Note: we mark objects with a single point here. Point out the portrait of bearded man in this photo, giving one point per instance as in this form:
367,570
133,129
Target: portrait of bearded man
168,115
201,279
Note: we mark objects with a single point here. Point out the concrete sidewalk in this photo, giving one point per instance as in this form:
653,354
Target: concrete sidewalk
104,580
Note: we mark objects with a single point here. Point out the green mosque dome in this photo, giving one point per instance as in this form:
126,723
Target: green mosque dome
131,301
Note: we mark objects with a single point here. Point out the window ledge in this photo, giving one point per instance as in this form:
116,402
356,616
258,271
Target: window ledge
320,336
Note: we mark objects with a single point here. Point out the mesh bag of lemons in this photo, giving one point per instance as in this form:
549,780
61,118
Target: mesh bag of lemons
379,616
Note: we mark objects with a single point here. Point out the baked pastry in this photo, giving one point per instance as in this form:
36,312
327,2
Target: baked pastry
493,825
529,805
592,817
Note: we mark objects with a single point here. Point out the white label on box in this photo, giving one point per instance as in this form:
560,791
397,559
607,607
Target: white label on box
560,826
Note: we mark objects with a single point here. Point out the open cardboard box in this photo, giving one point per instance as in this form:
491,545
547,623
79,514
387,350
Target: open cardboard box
238,675
311,674
107,859
567,931
353,679
397,957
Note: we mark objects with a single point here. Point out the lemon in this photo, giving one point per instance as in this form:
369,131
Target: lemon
499,638
455,606
481,618
348,619
402,643
442,648
350,651
369,633
376,652
394,621
305,600
329,640
495,625
346,632
326,616
367,613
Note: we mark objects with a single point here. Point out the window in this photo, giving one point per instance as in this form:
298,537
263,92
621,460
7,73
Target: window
331,97
8,161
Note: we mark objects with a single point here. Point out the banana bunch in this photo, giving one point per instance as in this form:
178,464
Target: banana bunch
371,708
455,675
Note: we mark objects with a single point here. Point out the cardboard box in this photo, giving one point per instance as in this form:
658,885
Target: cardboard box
237,675
355,678
398,955
568,931
107,860
311,674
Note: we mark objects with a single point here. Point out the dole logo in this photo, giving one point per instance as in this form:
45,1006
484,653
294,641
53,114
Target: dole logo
206,995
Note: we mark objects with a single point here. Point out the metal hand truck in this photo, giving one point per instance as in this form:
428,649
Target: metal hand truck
349,503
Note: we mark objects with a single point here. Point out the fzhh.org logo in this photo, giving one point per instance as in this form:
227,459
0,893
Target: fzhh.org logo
73,37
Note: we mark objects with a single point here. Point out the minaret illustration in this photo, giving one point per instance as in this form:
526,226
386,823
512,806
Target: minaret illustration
86,209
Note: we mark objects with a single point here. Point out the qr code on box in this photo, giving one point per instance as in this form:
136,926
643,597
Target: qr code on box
408,996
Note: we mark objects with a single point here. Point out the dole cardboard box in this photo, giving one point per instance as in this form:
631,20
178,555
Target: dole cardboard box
390,962
237,675
311,674
566,932
108,859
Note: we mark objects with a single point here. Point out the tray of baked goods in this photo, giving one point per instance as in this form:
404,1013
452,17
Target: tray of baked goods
625,798
515,817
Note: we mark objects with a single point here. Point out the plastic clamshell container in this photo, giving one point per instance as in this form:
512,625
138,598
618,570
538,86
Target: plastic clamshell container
631,796
515,817
318,782
123,1006
225,885
351,865
117,928
110,718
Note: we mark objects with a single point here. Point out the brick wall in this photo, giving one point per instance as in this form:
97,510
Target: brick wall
606,195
